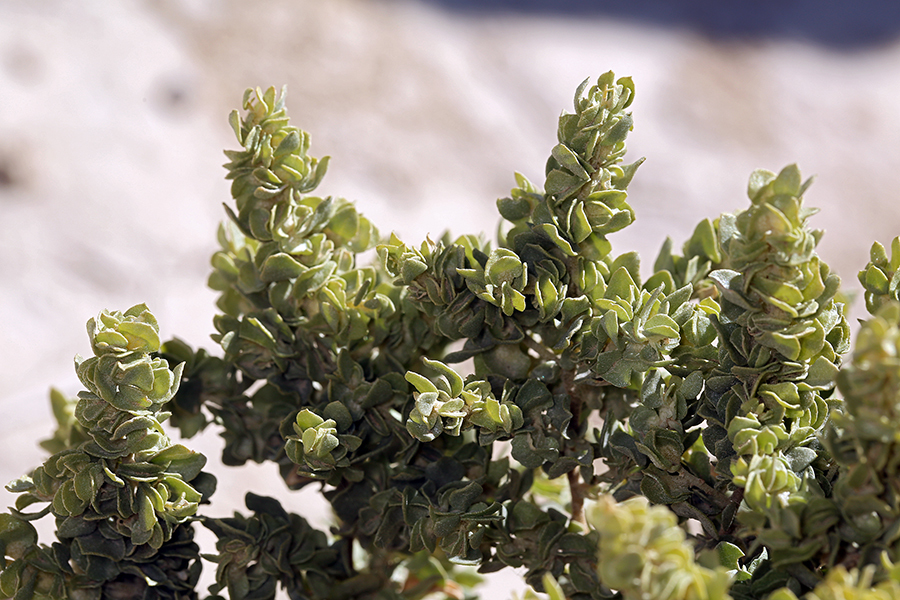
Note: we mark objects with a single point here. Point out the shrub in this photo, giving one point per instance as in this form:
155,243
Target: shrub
686,436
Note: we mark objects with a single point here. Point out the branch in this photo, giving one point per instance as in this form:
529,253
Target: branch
576,488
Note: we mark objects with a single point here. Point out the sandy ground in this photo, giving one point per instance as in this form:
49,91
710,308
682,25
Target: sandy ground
114,118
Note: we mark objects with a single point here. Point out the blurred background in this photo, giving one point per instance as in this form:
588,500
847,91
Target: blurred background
113,121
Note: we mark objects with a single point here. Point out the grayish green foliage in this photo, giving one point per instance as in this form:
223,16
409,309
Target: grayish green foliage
688,436
122,493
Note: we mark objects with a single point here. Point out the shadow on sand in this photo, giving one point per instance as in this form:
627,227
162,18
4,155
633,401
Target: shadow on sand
834,23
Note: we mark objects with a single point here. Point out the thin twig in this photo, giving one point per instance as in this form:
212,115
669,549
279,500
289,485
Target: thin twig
715,495
576,489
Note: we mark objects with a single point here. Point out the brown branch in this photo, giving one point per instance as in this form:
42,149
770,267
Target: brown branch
715,495
576,489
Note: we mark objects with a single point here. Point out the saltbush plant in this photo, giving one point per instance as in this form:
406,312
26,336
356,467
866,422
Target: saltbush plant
703,433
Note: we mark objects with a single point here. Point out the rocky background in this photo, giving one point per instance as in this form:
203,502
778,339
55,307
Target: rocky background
113,120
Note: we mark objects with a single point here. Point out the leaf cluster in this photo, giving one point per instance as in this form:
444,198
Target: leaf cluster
535,403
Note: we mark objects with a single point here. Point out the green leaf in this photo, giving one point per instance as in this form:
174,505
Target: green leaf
234,119
313,279
788,181
279,267
289,144
729,555
181,460
552,588
111,338
655,491
514,209
822,374
579,225
464,497
141,336
692,385
22,484
787,345
455,380
553,233
621,285
800,457
525,453
662,325
627,84
85,486
562,185
421,383
306,419
878,255
568,159
876,280
628,171
758,180
16,536
66,501
340,414
618,132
